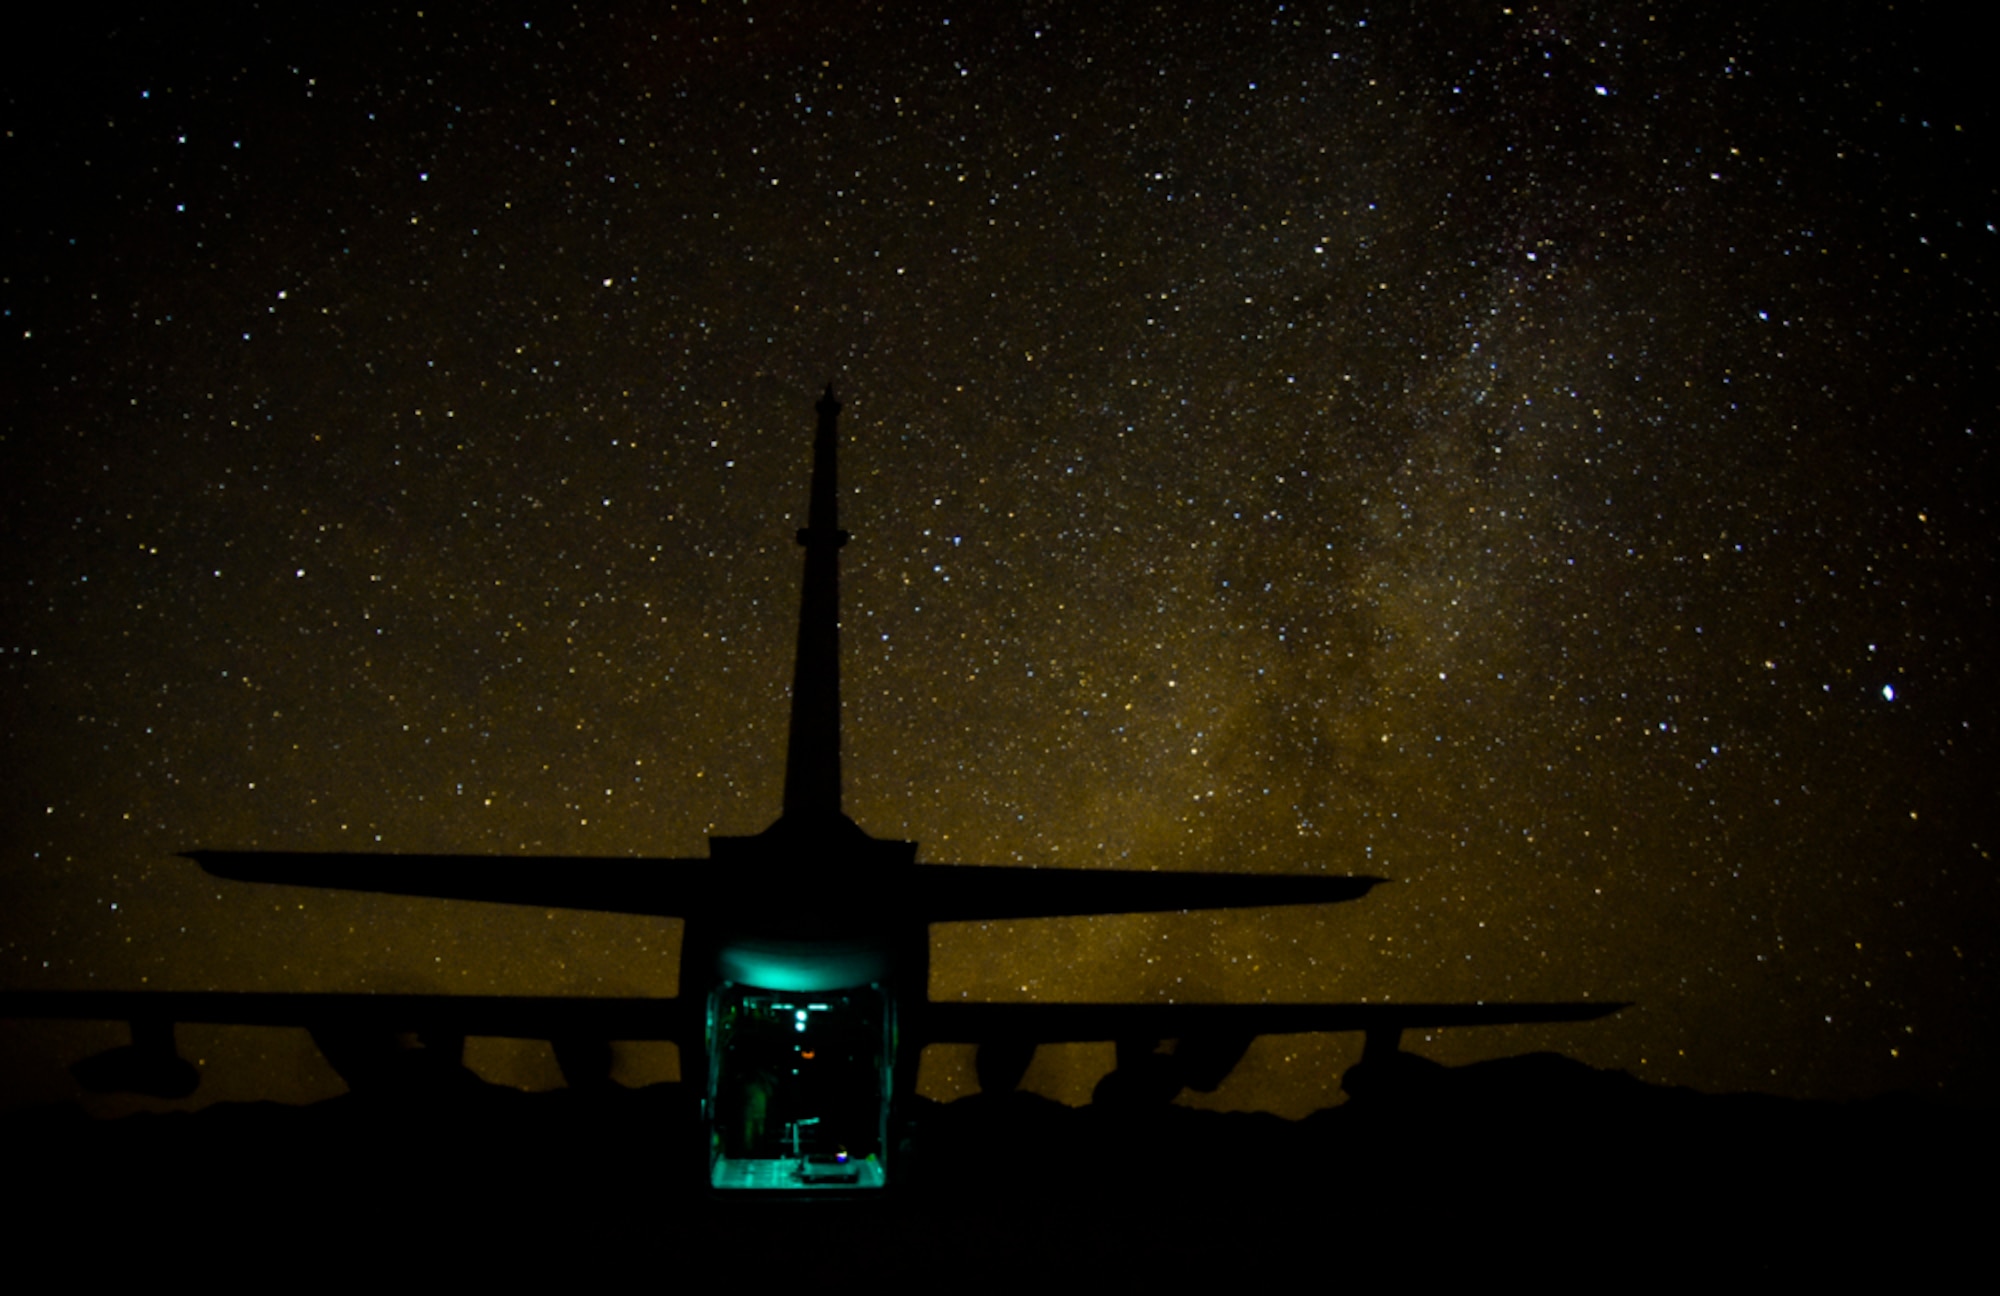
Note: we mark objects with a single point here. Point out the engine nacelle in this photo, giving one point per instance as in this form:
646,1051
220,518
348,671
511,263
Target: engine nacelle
149,1065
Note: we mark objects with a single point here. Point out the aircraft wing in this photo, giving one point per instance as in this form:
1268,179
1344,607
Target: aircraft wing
611,884
357,1033
507,1016
634,1018
1060,1023
970,893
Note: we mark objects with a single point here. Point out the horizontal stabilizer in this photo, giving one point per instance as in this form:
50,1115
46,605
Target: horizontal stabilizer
699,887
966,893
1063,1023
506,1016
609,884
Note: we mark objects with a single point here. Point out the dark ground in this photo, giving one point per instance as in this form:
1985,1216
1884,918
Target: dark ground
1532,1167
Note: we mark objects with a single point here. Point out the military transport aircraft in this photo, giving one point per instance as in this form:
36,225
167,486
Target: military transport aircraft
805,964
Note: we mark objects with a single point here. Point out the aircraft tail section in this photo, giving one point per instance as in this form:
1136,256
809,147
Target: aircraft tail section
610,884
963,893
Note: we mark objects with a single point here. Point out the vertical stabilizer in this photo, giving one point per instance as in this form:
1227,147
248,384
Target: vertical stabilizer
812,756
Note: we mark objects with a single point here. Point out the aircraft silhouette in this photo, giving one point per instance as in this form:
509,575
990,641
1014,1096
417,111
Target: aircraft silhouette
805,961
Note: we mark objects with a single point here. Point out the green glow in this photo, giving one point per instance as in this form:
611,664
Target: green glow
798,1096
802,967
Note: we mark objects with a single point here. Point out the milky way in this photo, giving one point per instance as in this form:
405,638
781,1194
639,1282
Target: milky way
1538,455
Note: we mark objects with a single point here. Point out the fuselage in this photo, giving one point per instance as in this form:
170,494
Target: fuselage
807,982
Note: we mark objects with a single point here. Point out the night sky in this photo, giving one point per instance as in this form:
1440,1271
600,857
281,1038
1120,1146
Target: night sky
1541,455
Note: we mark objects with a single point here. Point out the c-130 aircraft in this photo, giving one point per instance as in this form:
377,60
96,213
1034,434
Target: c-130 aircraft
805,961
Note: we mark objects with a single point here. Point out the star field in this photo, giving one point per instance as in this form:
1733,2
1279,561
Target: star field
1540,456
